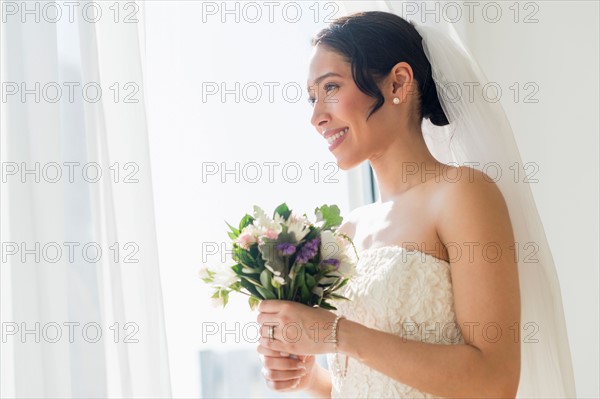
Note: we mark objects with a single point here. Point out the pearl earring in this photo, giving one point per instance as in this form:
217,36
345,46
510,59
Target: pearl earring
396,100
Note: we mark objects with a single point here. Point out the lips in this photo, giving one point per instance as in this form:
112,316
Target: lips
330,132
337,136
335,139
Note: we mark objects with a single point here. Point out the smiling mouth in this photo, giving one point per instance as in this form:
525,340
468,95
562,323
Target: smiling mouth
334,137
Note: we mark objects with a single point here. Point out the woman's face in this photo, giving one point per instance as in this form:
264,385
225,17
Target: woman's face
341,110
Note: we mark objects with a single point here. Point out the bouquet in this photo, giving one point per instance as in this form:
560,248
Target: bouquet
286,257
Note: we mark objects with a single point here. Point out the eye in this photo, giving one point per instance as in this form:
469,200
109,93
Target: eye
327,87
330,86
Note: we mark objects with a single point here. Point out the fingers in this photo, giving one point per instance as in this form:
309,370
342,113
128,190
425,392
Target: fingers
283,386
269,306
283,380
274,361
284,372
269,352
274,344
282,375
272,353
283,363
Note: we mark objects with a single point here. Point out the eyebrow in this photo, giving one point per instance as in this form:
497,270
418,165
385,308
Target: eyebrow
320,78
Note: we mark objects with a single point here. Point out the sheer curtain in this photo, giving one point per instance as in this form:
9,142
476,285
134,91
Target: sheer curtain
82,312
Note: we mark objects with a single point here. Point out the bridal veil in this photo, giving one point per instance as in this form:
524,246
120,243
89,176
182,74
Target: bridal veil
480,135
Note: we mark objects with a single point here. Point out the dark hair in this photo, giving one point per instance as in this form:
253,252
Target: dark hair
373,42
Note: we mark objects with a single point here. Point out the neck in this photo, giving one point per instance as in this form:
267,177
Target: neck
404,164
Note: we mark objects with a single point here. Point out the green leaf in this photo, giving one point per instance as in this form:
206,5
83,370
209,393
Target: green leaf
328,281
265,279
330,215
225,296
283,211
235,231
343,283
251,280
305,294
310,268
243,256
327,306
253,302
304,291
338,286
340,297
241,270
231,235
266,293
246,220
237,268
254,251
310,281
251,288
300,278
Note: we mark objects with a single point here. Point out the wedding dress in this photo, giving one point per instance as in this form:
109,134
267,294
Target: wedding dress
403,292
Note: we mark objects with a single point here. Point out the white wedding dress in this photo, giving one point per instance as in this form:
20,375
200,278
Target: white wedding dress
406,293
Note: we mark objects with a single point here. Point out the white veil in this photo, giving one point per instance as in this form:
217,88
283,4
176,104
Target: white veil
481,136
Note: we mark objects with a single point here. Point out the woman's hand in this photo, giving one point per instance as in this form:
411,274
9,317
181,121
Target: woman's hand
296,328
286,373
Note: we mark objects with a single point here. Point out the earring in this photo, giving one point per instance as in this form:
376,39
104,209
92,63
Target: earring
396,100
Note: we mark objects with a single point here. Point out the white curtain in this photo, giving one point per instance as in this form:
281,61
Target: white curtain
82,312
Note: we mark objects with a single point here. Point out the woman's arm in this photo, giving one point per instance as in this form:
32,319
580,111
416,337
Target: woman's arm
486,294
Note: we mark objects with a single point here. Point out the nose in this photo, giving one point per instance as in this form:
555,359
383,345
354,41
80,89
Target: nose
320,116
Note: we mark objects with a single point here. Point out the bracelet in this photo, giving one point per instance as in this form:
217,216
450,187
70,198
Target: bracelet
335,346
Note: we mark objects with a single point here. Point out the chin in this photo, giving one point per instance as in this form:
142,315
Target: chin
346,164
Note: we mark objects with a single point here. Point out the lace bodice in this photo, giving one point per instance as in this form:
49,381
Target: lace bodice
406,293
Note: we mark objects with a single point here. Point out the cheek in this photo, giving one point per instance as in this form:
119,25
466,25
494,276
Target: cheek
354,113
356,106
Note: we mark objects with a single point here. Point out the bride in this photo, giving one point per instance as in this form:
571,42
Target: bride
436,303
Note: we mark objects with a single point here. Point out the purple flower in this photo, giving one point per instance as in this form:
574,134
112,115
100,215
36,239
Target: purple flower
331,262
308,251
286,249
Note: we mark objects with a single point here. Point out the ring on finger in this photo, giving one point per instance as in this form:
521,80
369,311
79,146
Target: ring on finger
271,332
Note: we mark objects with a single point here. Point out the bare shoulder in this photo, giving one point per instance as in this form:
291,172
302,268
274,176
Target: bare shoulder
471,206
464,187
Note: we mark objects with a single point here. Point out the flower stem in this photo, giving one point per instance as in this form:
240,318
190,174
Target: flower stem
352,243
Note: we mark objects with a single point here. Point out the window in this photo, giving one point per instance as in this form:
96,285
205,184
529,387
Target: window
229,125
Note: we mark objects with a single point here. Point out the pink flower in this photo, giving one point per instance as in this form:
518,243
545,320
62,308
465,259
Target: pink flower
271,234
246,239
